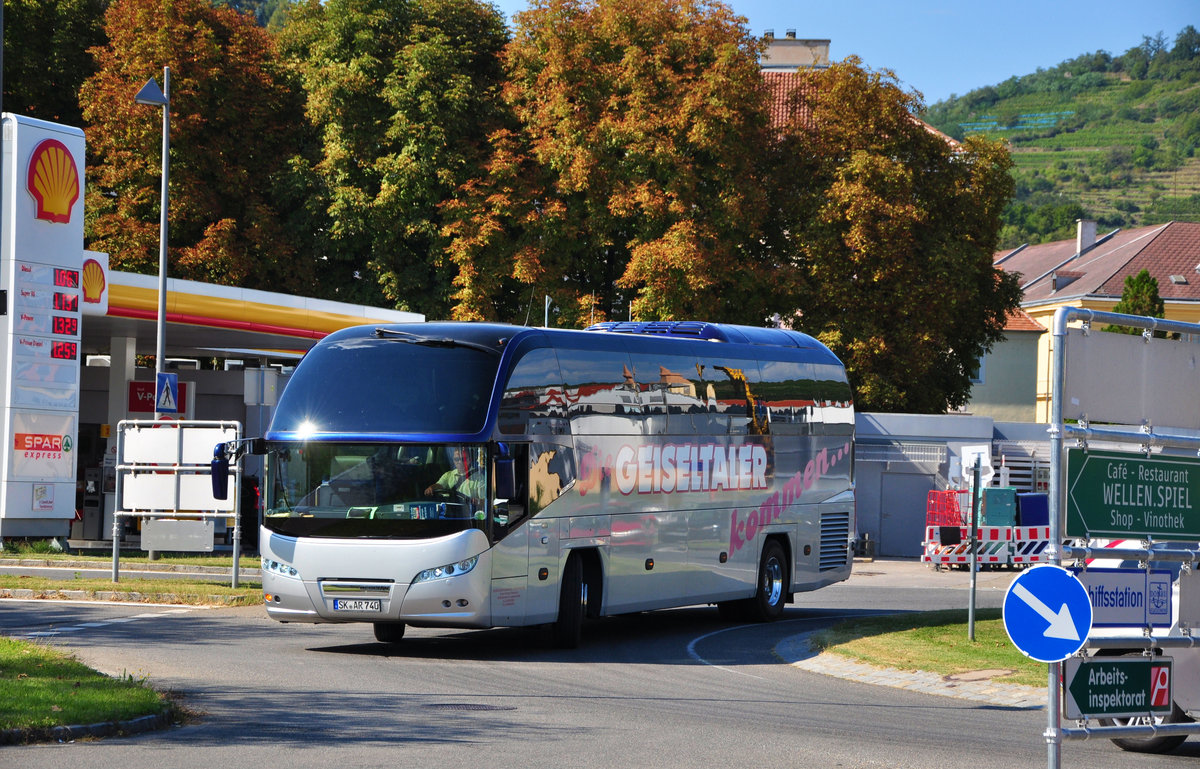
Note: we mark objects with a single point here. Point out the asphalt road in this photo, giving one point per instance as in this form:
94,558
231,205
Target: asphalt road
664,689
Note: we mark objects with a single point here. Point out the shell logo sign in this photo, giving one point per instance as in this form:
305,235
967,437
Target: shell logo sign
53,181
93,281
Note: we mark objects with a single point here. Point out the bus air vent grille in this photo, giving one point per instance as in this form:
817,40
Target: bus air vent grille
835,540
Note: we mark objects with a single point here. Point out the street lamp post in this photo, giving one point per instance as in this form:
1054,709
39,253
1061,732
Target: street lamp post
151,95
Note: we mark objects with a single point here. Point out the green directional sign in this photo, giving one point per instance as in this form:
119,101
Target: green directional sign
1116,687
1111,494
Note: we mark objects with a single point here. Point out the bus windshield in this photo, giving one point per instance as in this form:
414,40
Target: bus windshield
387,490
384,384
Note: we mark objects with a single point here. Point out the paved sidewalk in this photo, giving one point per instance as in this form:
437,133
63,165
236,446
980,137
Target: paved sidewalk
977,687
796,651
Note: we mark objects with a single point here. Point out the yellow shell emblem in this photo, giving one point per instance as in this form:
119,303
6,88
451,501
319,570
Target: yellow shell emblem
53,181
93,281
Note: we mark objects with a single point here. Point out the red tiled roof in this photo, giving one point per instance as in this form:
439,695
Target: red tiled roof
1019,320
1174,251
1162,249
784,111
781,85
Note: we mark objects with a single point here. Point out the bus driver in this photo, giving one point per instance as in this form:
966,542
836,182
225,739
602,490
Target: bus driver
462,478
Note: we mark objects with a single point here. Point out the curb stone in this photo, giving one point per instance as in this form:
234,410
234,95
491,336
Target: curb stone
131,726
797,651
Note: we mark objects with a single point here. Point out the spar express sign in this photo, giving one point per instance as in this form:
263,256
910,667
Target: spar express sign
43,446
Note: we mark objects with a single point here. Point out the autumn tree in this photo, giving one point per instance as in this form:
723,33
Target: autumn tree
235,120
889,229
630,181
46,56
402,93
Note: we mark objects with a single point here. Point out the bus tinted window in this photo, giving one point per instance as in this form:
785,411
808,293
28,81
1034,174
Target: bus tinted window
533,395
661,385
551,472
372,385
788,392
836,401
600,386
674,380
726,383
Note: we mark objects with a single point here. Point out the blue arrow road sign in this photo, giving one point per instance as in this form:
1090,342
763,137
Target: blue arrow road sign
1047,613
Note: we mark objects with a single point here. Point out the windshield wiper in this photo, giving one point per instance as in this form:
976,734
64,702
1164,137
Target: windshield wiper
428,341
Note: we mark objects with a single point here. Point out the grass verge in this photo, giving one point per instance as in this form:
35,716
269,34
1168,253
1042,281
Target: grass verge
43,552
935,642
41,688
176,590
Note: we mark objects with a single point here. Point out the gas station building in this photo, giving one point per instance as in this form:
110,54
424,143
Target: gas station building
72,330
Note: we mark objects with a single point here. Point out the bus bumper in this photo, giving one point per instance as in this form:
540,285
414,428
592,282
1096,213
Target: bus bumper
367,592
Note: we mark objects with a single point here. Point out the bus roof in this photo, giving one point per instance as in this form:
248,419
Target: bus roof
499,336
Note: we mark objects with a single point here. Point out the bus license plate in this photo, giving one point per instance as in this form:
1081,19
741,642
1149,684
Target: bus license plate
359,604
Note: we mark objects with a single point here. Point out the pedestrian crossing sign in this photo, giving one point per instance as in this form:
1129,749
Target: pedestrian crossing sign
166,393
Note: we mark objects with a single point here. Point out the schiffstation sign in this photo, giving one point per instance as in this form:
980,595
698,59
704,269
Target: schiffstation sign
1099,687
1112,494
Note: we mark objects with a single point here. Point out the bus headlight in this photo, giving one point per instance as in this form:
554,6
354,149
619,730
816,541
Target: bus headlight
279,569
449,570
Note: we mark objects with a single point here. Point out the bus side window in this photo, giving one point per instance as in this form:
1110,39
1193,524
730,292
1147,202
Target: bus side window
729,385
664,390
837,402
532,398
599,386
508,512
551,472
789,394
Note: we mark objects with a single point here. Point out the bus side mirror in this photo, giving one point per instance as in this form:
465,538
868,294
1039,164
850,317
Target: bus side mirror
506,478
220,472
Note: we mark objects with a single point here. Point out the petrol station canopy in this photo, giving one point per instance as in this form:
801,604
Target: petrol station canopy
206,320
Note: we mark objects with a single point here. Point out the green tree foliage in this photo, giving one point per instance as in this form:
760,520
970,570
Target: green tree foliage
1040,217
46,56
1139,297
402,93
234,121
890,230
630,181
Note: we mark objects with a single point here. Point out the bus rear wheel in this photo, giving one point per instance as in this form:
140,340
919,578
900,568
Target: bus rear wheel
567,630
773,580
389,632
1150,744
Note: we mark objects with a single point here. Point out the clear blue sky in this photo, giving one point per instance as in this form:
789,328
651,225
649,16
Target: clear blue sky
941,47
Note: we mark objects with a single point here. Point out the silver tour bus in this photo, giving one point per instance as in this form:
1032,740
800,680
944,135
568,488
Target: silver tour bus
473,475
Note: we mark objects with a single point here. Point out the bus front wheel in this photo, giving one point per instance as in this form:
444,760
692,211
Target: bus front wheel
567,630
389,632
